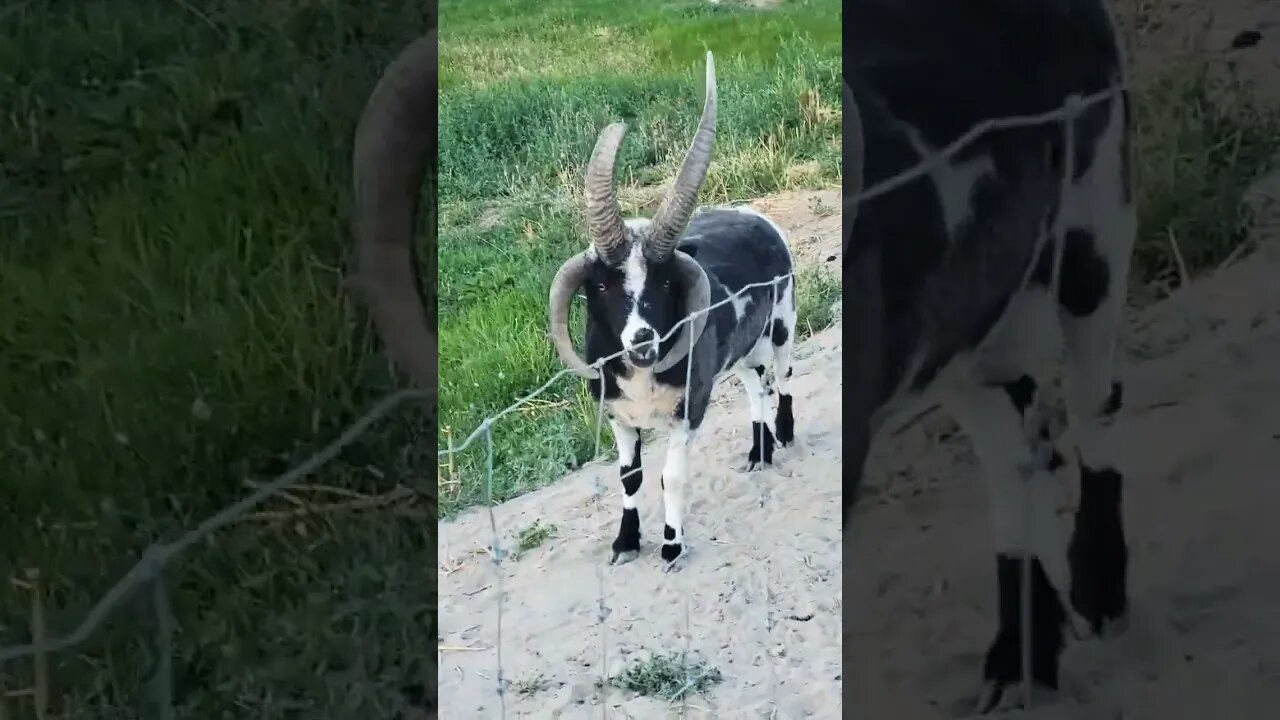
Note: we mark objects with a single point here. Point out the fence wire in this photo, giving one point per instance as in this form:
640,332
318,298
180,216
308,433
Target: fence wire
149,570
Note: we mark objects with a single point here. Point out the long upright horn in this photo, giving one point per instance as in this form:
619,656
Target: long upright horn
394,141
674,212
604,216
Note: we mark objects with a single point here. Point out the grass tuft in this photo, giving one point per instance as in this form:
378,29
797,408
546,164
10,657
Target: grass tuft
670,676
174,213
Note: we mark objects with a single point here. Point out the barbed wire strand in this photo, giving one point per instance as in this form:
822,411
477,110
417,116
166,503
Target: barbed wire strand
161,683
496,553
600,607
768,630
982,128
157,556
684,487
1071,112
765,401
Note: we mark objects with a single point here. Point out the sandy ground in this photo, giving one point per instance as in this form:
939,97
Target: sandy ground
1203,427
772,534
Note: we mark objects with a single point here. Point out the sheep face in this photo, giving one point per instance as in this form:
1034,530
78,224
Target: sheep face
637,302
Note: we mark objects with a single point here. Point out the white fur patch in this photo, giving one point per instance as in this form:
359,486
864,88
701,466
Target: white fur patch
644,402
675,473
635,274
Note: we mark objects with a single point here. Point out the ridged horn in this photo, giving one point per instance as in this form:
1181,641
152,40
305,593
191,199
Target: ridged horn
673,214
565,285
394,142
604,216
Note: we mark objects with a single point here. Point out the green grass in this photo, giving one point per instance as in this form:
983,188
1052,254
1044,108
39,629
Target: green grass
525,88
1201,143
670,676
533,536
174,220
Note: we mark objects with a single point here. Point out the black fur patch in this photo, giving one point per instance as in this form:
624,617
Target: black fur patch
1056,461
1115,401
1086,278
785,422
670,550
780,334
1021,392
1004,658
628,539
1098,555
761,445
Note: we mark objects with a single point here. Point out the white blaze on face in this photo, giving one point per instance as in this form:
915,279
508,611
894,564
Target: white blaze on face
635,272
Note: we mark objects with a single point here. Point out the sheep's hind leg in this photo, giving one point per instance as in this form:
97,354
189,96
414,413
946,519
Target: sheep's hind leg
782,338
626,547
762,437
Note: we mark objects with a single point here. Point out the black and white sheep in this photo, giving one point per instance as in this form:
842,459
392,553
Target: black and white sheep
641,277
965,280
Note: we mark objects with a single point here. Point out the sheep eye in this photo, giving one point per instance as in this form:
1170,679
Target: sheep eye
601,287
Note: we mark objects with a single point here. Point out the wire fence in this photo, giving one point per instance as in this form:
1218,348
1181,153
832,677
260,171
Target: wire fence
149,571
1066,115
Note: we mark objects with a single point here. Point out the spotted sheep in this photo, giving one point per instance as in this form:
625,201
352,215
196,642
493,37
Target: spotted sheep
641,277
963,281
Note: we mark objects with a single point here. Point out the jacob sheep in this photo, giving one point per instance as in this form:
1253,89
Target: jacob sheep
953,279
641,277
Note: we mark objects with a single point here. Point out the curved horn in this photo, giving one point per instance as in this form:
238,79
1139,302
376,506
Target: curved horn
567,281
674,212
394,142
854,160
604,216
697,299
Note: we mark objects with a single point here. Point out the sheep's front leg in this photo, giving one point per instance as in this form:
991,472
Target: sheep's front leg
626,547
675,473
1013,445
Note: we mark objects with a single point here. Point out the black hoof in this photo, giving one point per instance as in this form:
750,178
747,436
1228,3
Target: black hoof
1097,554
1003,665
785,422
761,446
